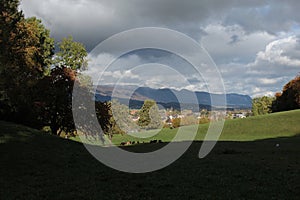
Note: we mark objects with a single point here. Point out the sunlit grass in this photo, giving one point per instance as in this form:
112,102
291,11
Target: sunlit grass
248,129
36,165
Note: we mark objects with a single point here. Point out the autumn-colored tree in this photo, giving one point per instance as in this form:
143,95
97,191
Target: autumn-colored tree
70,58
54,98
204,120
10,18
30,92
289,99
176,122
26,51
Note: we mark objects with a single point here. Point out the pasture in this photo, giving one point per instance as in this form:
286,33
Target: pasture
283,124
246,164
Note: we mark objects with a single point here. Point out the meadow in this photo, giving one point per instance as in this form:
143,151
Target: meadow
283,124
257,158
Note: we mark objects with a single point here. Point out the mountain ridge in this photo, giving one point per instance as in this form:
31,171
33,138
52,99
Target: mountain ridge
136,95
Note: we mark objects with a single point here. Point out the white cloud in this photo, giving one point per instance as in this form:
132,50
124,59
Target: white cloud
264,75
267,81
278,52
110,68
232,44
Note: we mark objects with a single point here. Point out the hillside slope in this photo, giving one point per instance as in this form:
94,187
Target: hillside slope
283,124
34,165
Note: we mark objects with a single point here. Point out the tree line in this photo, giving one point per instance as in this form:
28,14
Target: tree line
36,83
288,99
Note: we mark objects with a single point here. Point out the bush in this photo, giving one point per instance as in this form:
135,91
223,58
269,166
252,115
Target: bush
204,120
176,122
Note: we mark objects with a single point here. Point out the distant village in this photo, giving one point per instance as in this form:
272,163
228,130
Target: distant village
188,117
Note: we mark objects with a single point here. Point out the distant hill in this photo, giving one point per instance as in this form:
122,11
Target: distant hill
168,97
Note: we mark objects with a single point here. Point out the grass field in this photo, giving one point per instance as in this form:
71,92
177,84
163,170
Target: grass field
249,129
35,165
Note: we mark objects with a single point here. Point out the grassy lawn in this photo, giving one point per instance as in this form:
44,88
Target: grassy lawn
35,165
249,129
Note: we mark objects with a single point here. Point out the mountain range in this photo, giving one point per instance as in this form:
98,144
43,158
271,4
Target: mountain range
184,99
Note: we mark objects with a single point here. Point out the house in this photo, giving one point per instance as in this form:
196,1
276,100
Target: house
239,115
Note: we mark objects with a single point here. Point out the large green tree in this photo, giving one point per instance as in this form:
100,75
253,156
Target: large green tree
71,54
66,69
85,117
59,86
262,105
149,115
122,118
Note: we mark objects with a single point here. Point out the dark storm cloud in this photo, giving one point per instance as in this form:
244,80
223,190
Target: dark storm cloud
254,43
91,21
234,39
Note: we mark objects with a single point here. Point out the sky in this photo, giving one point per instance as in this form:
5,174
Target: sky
254,44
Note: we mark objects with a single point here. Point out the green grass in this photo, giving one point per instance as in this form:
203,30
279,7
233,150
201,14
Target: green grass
249,129
35,165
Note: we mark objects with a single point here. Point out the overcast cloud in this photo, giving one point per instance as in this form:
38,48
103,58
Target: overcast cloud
255,44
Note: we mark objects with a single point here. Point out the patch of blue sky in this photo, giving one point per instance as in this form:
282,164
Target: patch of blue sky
264,10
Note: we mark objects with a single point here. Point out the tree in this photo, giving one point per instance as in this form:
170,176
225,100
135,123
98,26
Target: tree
89,116
43,47
26,51
176,122
289,99
10,17
262,105
122,118
54,97
57,88
71,54
149,115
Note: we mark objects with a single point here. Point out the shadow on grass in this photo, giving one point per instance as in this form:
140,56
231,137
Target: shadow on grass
46,167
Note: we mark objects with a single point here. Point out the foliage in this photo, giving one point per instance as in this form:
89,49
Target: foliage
176,122
122,118
105,119
189,120
41,49
289,99
262,105
204,120
93,119
31,93
59,86
71,54
26,50
149,115
10,18
54,97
